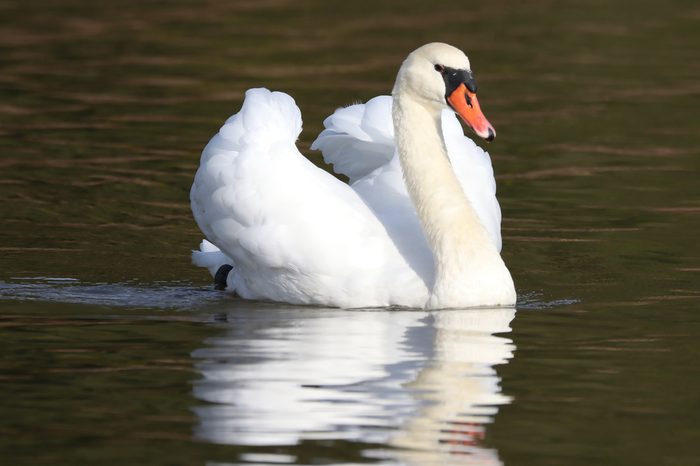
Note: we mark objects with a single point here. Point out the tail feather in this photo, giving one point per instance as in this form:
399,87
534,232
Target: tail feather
210,257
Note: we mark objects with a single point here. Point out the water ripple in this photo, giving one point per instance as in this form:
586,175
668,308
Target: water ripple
171,295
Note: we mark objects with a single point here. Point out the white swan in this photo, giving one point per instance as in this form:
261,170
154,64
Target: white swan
418,226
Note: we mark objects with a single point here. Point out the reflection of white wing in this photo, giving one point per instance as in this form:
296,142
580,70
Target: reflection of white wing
357,376
312,376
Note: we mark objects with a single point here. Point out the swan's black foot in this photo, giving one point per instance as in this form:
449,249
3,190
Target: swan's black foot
221,275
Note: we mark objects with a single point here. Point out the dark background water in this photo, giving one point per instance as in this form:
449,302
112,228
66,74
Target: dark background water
104,108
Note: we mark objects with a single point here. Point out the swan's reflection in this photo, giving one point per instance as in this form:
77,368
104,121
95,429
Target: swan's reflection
421,382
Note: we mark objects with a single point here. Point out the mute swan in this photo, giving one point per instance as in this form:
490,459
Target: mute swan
417,226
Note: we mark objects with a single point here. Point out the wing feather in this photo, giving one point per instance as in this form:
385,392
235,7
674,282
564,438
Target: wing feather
294,232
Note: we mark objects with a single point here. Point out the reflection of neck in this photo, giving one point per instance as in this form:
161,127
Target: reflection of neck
462,388
465,258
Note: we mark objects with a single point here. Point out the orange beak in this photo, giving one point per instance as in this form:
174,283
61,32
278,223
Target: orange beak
464,102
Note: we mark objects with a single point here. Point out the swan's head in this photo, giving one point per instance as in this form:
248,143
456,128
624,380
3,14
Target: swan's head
440,75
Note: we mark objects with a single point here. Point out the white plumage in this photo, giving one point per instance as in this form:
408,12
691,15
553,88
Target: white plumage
294,233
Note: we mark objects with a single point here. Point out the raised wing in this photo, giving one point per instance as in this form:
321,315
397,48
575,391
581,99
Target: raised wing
358,139
294,232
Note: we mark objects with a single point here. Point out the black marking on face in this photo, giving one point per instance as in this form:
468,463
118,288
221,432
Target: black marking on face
454,77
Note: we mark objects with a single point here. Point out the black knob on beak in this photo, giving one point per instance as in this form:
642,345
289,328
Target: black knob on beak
491,136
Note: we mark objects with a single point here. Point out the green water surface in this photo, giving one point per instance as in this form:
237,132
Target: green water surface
117,351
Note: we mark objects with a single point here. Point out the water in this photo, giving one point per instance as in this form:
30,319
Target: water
117,350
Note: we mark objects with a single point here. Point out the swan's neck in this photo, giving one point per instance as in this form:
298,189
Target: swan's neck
467,264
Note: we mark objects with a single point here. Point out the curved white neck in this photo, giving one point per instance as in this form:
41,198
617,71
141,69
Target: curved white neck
469,270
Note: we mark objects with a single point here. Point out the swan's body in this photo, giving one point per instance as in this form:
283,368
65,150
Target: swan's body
296,234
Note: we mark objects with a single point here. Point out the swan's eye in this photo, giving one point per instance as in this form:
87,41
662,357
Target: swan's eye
439,68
